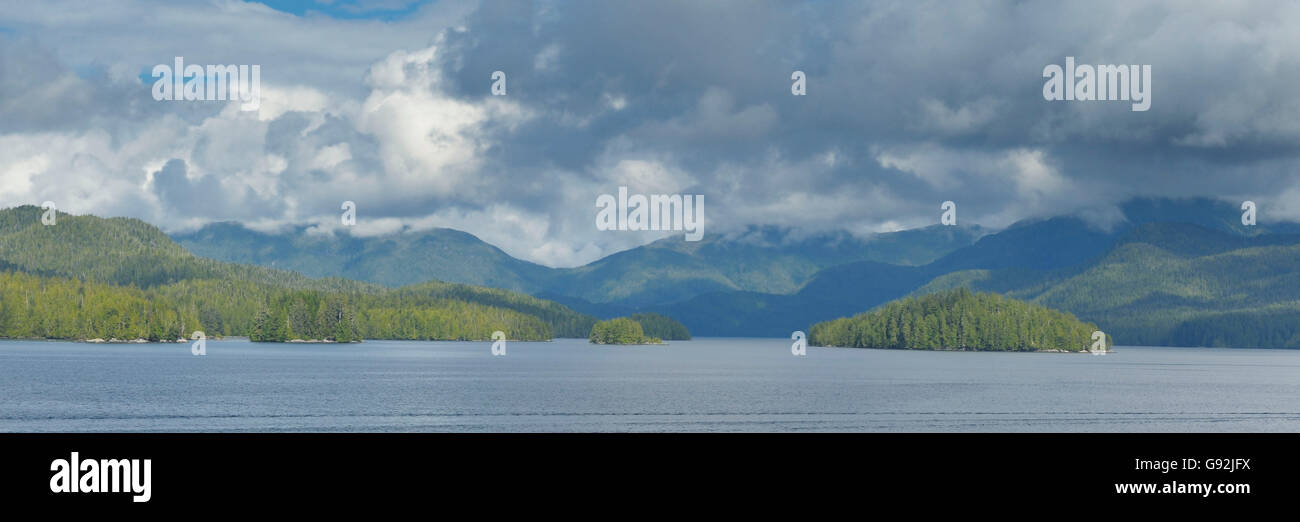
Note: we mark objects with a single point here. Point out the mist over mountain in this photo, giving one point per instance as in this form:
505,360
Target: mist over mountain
1190,277
1150,270
1174,272
759,259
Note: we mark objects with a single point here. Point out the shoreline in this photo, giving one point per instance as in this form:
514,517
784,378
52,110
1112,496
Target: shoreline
962,350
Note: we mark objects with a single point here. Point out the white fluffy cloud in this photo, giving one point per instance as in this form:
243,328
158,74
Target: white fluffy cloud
909,104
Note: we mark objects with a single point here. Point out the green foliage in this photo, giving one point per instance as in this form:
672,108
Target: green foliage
661,326
88,277
307,315
621,330
563,321
393,260
34,306
957,320
1162,283
1171,284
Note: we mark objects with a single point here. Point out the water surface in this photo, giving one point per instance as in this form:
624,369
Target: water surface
701,385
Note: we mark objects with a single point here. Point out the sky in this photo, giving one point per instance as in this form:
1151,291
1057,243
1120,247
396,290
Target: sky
388,104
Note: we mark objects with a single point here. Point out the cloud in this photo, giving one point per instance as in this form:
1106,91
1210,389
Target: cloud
936,115
974,177
909,104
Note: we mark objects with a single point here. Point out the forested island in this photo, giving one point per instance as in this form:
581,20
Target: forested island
958,320
88,278
621,330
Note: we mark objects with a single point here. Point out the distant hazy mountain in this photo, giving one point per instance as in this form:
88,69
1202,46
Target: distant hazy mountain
1178,272
393,260
1158,271
761,259
1171,283
1207,213
1194,279
1031,246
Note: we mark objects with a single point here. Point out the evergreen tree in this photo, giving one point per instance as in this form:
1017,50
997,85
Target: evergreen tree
957,320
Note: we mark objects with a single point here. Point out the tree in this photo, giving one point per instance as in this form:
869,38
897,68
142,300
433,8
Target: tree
957,320
620,330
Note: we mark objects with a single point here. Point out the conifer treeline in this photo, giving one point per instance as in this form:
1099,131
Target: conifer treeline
957,320
33,306
87,277
661,326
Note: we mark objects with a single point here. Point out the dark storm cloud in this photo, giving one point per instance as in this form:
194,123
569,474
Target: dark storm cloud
708,84
909,104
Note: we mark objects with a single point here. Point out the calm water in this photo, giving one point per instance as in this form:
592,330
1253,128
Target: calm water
701,385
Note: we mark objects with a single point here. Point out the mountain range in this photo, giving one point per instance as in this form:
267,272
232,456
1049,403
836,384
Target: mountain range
1187,276
1151,271
758,259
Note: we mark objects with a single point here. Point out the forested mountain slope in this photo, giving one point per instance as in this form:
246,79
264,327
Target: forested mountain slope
1171,284
1178,283
762,259
88,277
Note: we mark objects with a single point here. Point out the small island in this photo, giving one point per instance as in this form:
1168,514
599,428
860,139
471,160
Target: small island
958,320
622,330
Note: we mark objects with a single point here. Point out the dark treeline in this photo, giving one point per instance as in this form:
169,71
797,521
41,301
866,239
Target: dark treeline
662,326
61,308
1263,329
957,320
306,315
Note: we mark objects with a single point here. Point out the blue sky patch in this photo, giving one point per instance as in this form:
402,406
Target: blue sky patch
349,9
